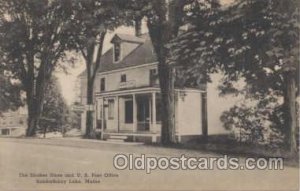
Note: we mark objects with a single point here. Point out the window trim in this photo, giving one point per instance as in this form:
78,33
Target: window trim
120,52
102,84
153,76
123,75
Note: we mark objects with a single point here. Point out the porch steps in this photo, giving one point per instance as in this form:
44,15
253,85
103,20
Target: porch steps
117,138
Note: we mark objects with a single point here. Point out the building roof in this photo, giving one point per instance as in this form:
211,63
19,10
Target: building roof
128,38
142,54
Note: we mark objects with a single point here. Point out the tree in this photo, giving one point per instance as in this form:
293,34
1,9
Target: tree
163,26
91,21
257,41
53,117
164,19
34,37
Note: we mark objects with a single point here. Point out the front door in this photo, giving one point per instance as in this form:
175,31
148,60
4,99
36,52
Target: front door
143,114
126,115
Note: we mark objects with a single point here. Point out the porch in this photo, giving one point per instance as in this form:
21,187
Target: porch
133,115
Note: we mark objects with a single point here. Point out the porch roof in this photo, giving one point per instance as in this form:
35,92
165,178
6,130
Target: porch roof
141,90
128,91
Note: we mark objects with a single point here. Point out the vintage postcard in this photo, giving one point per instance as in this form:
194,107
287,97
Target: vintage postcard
149,95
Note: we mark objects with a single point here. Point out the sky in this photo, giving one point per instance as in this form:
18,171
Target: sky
226,1
68,81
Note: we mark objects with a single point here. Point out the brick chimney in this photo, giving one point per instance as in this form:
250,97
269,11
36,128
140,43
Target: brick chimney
138,26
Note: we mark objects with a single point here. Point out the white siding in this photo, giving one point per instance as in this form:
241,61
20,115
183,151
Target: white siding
216,105
189,113
139,75
83,122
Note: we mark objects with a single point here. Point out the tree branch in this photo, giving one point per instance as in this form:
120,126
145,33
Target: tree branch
83,53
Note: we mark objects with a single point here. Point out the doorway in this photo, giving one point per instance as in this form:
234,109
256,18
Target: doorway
143,113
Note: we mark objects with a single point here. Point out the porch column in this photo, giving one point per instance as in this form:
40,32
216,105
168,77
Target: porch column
95,117
118,113
154,111
134,124
102,118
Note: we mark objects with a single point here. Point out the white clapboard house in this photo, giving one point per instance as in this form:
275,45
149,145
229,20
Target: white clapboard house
127,95
13,123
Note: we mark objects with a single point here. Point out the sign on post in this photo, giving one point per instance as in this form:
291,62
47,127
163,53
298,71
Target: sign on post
89,107
78,108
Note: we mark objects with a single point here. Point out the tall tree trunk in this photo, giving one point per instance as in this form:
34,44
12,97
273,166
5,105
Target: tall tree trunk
159,36
31,122
34,113
35,91
89,113
204,115
291,116
162,29
28,82
168,130
92,69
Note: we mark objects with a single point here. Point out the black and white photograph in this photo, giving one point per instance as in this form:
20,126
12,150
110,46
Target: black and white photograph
149,95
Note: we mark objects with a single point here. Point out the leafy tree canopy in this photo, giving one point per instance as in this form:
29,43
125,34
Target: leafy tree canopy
34,36
54,108
252,40
10,98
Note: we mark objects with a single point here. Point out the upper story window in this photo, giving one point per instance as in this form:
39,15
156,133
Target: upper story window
117,52
153,76
153,72
102,84
123,78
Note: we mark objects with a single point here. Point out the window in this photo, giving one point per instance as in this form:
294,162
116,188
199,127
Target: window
5,132
123,78
102,84
117,52
153,73
111,105
21,122
153,76
129,111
